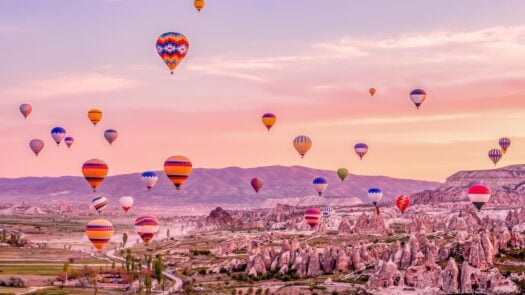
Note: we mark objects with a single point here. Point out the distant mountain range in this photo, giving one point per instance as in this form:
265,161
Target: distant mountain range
229,186
507,185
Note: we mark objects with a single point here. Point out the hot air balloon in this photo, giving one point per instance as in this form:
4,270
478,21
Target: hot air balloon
172,48
199,4
110,135
126,203
312,216
69,141
372,91
26,109
147,227
418,96
342,173
504,143
327,211
95,115
94,171
402,202
495,155
257,184
361,149
479,195
178,169
268,120
375,195
99,232
149,178
58,134
320,184
302,144
36,145
99,204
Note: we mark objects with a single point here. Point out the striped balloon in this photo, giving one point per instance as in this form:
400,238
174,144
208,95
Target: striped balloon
495,155
320,185
69,141
361,149
95,115
327,211
479,194
418,96
36,145
172,48
110,135
26,109
257,184
99,204
58,134
149,178
375,195
99,232
268,120
504,143
312,216
178,169
95,171
302,144
126,203
147,227
402,202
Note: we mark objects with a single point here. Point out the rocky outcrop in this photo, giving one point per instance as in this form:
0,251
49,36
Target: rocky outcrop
385,275
450,277
373,225
220,218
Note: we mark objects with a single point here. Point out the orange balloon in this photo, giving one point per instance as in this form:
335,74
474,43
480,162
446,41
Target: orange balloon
372,91
95,115
178,169
95,171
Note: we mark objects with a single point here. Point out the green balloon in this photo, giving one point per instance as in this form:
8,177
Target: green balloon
342,173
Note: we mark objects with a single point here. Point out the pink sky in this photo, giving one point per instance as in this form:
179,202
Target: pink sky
239,67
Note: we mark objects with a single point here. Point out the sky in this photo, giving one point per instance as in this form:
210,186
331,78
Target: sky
309,62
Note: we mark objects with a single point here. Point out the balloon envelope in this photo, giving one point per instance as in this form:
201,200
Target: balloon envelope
147,227
495,155
268,120
126,203
58,134
95,115
418,96
375,195
504,143
110,135
361,149
342,173
26,109
402,202
69,141
478,194
36,145
312,216
320,184
95,171
99,204
327,211
149,178
178,169
99,232
257,184
172,48
199,4
302,144
372,91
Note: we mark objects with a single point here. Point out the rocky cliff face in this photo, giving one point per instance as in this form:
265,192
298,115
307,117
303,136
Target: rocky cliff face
219,217
507,185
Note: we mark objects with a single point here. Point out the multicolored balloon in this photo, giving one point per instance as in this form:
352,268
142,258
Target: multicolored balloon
504,143
257,184
69,141
147,227
268,120
418,96
110,135
320,185
95,171
402,202
58,134
361,149
99,232
495,155
149,178
375,195
99,204
302,144
479,195
312,216
126,203
36,145
327,211
178,169
199,4
95,115
172,48
372,91
26,109
342,173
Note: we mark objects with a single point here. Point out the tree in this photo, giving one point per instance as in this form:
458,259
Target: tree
129,261
124,239
65,269
158,268
147,284
113,265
